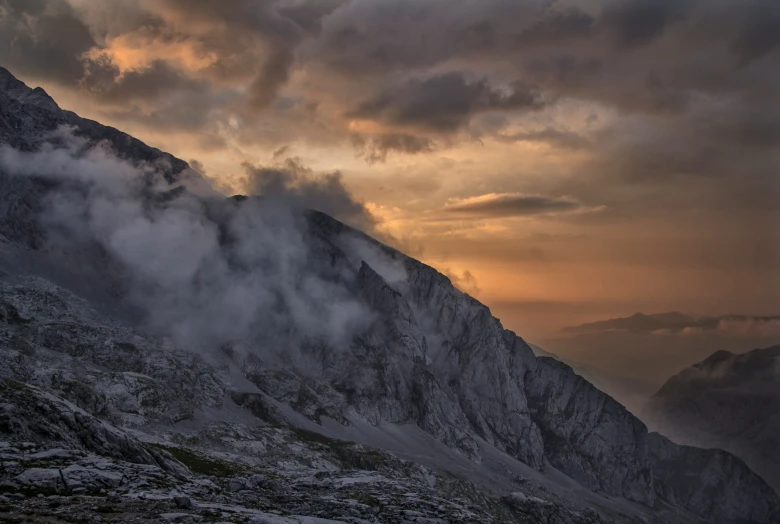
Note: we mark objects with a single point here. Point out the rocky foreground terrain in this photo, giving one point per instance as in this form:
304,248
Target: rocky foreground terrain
727,401
275,365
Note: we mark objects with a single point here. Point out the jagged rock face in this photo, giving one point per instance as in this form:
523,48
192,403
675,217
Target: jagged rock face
715,471
727,401
586,433
468,354
54,340
28,115
32,415
431,357
531,408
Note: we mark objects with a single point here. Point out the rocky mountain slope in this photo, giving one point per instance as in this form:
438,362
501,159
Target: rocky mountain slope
727,401
632,394
235,359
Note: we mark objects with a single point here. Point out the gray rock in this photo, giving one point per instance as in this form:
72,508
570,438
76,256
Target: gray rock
706,481
183,502
27,412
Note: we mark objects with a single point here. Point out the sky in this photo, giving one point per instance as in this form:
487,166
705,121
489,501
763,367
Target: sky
566,162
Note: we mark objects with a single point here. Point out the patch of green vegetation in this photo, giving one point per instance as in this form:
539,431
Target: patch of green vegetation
312,437
347,453
30,492
203,465
9,384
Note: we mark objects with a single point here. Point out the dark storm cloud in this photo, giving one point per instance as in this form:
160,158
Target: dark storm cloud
504,205
44,39
752,130
674,322
760,33
422,70
308,15
277,35
556,27
372,38
638,22
444,102
106,82
298,186
47,39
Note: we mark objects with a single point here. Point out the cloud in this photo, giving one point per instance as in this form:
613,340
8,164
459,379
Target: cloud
684,116
444,102
555,27
43,38
208,271
464,281
675,323
550,136
295,185
104,80
272,38
760,33
638,22
750,326
511,204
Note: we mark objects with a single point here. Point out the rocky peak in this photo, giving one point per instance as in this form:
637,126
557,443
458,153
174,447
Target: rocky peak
10,85
29,116
19,91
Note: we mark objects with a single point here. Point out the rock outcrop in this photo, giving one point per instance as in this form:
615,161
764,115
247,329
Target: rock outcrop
28,414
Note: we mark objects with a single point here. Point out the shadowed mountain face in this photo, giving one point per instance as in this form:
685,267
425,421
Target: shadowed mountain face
727,401
132,294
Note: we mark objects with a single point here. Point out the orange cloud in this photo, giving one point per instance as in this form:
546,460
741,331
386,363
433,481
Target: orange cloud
134,51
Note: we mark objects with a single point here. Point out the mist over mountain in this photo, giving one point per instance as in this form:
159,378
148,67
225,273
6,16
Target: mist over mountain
254,360
640,352
727,401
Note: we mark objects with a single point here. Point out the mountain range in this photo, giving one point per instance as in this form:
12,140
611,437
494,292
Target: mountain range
169,353
728,401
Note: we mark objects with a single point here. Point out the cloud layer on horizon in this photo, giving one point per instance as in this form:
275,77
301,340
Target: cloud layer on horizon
675,323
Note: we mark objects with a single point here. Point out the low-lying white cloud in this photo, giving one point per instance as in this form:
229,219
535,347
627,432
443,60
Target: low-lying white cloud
208,271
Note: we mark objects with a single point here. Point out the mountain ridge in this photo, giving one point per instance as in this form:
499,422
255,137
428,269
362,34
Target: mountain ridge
729,401
418,352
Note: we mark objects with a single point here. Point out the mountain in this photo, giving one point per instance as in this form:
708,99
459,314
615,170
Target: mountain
168,353
632,394
727,401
